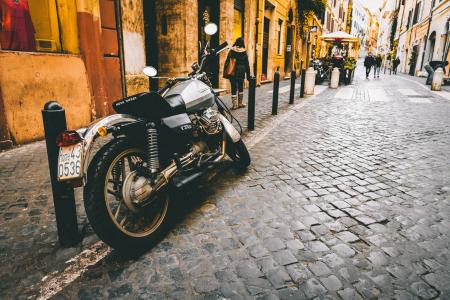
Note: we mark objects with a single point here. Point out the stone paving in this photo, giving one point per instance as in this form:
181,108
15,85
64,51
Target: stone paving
349,197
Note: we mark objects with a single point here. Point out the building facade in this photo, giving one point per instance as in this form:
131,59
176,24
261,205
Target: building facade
422,34
68,51
88,53
360,25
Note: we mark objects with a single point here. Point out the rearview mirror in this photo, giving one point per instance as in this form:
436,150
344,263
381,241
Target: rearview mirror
210,29
150,71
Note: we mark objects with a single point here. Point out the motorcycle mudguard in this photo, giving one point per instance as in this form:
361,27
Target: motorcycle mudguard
90,134
229,129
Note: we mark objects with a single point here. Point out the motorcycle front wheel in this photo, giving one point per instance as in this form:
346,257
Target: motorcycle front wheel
238,152
129,231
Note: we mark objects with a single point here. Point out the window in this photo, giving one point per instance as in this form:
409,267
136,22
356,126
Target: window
409,19
417,13
37,28
279,29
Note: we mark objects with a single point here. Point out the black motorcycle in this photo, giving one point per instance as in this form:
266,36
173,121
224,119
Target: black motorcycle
158,141
321,72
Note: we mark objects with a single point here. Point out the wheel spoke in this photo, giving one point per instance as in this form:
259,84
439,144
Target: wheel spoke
123,220
117,210
123,168
114,193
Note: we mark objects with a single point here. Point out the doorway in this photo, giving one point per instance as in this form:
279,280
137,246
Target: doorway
413,60
151,35
209,11
265,54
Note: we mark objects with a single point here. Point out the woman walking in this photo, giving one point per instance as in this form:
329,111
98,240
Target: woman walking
235,69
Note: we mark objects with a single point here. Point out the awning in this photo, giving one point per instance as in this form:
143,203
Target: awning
339,36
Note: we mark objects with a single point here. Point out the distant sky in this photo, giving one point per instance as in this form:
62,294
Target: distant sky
373,5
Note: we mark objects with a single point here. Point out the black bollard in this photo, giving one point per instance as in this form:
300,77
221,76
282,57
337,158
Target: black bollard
154,84
291,95
302,84
251,104
54,118
276,86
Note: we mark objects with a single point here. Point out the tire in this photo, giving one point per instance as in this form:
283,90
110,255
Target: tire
100,214
239,154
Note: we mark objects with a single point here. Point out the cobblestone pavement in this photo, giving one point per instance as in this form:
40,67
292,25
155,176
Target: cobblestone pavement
28,239
349,197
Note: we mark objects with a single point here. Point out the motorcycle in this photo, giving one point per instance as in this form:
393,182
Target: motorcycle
159,141
321,73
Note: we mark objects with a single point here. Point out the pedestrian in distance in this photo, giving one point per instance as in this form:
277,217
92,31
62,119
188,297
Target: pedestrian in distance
377,68
388,65
368,63
236,69
396,63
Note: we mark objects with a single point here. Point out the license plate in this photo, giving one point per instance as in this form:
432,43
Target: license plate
70,162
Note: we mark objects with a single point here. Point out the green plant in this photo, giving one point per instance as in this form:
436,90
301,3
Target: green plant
349,63
413,57
306,8
393,29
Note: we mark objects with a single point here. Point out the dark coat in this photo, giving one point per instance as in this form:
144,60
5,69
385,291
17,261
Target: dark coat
242,64
369,61
378,61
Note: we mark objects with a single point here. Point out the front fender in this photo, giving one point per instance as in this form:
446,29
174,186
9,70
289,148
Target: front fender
229,129
90,134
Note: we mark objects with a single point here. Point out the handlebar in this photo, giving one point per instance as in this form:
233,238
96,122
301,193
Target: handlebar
221,47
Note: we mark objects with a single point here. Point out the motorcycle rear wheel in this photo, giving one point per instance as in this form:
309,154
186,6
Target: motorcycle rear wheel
128,232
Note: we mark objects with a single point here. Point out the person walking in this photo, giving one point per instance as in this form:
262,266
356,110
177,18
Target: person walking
368,63
235,69
377,68
396,64
388,65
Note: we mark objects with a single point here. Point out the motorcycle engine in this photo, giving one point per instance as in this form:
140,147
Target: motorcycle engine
208,122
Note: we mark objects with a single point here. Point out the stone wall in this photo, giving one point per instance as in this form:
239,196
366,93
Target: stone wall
177,46
134,46
38,78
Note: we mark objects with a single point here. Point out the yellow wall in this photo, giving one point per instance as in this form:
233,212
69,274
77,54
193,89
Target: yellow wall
39,78
275,60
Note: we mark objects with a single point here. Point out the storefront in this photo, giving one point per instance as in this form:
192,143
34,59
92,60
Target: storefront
64,50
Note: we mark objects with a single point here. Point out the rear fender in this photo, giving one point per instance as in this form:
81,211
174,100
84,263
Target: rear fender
90,134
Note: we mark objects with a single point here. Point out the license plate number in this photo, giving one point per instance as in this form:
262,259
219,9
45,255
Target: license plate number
70,162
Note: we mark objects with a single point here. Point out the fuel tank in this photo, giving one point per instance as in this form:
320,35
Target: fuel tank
195,95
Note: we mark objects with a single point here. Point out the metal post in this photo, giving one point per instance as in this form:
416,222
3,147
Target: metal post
153,84
302,84
276,85
291,95
54,118
251,104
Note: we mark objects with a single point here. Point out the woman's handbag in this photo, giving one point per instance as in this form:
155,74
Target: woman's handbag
230,68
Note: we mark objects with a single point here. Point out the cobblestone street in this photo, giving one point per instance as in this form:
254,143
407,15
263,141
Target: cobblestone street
348,196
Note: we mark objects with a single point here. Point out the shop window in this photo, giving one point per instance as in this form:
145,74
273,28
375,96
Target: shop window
280,26
29,25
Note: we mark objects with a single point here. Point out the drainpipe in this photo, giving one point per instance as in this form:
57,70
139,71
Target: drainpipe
118,13
428,32
255,65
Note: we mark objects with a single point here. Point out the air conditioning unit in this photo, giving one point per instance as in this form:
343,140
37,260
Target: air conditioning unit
46,45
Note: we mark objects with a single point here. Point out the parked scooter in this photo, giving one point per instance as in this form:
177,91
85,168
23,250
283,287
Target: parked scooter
159,141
